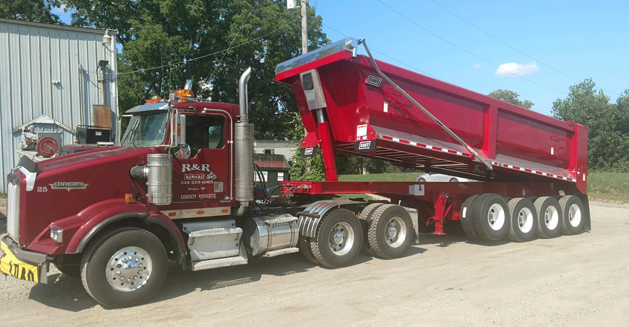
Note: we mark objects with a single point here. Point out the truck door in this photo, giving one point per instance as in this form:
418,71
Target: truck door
204,177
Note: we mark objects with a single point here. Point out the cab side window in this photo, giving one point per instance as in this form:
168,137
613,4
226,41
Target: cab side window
205,133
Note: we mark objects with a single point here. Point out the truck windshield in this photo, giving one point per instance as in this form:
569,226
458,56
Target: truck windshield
146,130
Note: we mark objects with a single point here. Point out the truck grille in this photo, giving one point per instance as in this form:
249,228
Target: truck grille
13,211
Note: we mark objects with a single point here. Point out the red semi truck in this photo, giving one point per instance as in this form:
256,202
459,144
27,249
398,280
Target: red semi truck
181,184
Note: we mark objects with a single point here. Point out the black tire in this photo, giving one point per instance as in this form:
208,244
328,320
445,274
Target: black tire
390,231
523,220
146,254
491,217
421,180
304,247
72,271
574,214
453,180
339,239
467,216
548,217
365,220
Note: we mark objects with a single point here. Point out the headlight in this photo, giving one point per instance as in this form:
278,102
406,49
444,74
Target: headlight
56,234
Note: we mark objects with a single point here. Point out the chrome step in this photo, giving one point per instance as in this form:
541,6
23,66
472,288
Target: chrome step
280,252
240,259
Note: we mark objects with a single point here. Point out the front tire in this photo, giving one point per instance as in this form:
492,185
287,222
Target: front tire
124,267
339,239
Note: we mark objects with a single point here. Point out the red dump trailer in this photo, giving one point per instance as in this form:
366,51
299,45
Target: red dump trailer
353,104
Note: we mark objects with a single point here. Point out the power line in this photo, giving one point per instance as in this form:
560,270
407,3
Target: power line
374,50
468,52
506,44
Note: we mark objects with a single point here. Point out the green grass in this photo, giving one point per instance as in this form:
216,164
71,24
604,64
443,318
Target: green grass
388,177
609,186
3,195
612,187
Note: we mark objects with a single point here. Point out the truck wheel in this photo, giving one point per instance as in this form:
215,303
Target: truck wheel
548,216
339,239
304,247
523,220
390,231
124,268
573,214
467,216
491,217
365,220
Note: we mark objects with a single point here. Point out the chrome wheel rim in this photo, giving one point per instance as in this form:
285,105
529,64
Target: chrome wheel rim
129,269
551,217
341,238
525,220
574,215
496,216
395,232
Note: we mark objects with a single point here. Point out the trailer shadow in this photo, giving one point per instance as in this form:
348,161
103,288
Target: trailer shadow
455,236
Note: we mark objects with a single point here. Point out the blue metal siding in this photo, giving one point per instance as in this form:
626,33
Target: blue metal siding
32,57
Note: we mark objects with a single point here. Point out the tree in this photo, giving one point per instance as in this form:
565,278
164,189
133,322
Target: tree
511,97
608,126
166,42
30,10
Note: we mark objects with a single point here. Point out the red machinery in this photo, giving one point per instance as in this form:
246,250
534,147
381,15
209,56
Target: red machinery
352,104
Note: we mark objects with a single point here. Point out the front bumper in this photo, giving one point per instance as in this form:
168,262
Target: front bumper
22,264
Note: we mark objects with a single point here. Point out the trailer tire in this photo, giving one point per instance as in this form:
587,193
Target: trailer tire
548,216
468,216
491,217
390,231
573,213
338,239
140,255
365,220
523,220
304,247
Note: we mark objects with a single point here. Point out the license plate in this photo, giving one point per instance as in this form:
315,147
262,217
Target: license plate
12,266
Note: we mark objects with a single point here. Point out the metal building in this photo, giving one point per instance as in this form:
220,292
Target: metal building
52,79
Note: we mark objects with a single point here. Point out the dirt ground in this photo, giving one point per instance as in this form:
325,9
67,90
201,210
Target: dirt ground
578,280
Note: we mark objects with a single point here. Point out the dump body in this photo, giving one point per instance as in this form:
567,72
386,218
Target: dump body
360,107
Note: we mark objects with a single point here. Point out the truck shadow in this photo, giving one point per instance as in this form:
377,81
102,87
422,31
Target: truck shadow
455,236
67,293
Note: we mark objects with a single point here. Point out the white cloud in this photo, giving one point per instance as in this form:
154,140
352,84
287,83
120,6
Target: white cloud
512,69
477,66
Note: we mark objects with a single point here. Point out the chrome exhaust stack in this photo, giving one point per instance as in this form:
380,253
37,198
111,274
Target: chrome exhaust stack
243,144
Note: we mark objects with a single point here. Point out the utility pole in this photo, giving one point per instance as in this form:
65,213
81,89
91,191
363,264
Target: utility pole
304,26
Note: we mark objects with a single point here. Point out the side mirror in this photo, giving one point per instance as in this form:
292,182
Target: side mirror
180,130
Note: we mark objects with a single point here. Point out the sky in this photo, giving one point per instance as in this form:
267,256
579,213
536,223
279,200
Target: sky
535,48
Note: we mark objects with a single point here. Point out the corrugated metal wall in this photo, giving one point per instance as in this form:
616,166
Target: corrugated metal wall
49,70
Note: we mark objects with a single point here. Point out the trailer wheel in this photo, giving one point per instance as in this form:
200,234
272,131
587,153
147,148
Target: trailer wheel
573,214
467,216
390,231
491,217
365,220
124,267
523,220
339,239
548,216
304,247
